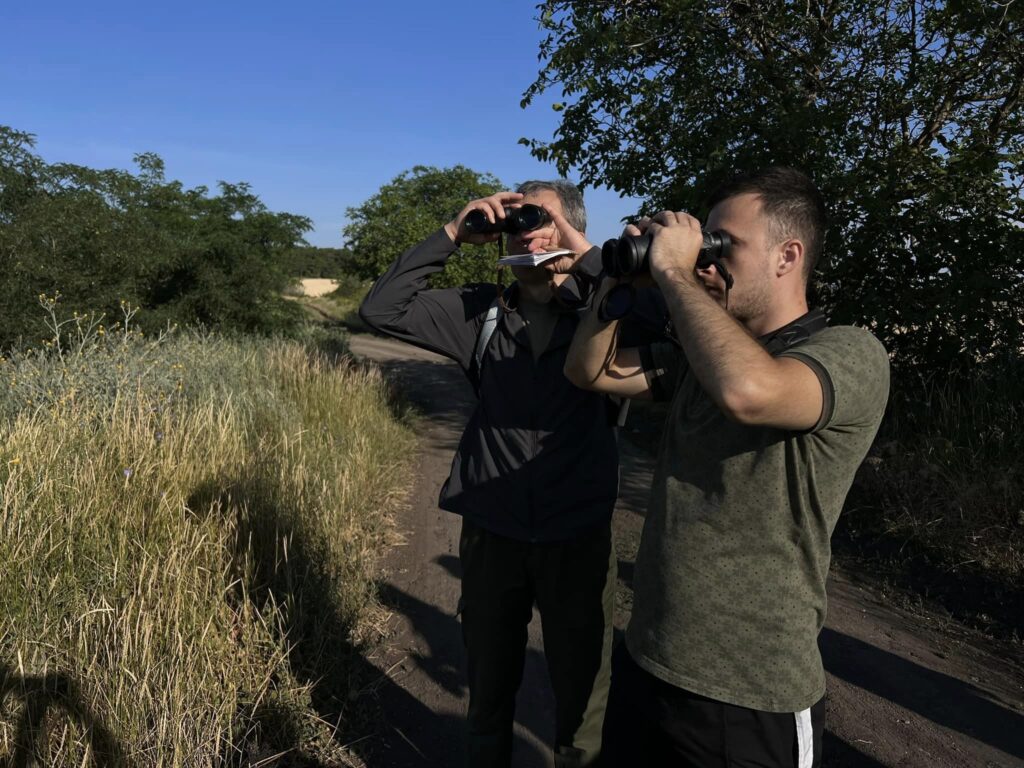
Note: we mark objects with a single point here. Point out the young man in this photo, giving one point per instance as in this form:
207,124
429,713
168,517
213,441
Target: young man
535,475
771,414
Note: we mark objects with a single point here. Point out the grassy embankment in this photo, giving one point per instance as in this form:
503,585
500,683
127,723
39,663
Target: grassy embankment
340,308
937,509
189,530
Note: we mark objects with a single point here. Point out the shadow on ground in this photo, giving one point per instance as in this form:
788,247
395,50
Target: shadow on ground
38,706
942,699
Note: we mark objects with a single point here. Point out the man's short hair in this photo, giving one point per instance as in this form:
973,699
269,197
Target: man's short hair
572,199
792,203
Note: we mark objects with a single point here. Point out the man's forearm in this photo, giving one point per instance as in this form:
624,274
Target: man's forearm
593,345
727,361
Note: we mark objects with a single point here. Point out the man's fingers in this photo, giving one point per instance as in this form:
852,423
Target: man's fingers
484,207
631,230
557,218
497,209
667,218
561,265
569,236
684,216
498,202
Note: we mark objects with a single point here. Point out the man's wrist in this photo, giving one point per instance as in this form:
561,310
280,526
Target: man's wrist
452,231
589,263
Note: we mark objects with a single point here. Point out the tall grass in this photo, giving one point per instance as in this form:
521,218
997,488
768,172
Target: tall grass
188,529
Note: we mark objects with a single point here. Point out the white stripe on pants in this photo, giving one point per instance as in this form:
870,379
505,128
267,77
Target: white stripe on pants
804,739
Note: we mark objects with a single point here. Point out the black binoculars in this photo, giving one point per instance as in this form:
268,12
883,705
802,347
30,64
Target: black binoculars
628,255
525,218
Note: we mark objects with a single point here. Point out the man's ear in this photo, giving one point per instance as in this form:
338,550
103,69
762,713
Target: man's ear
791,258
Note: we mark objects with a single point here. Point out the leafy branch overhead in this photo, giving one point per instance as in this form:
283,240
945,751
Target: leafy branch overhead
908,113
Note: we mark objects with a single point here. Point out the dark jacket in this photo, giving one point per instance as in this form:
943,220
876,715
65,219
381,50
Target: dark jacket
538,459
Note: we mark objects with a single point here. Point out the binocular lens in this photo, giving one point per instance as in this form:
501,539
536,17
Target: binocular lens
530,217
628,255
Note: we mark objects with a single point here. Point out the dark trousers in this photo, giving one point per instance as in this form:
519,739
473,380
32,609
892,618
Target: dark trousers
654,724
573,585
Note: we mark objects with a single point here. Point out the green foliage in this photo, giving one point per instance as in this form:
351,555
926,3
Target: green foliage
414,205
907,113
102,236
309,261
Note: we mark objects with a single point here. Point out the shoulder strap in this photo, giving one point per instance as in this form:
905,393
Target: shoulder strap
483,339
795,332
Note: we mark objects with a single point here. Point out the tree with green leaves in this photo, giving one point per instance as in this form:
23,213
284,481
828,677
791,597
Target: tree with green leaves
100,237
408,209
908,113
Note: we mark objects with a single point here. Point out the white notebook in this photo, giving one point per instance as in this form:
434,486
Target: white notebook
531,259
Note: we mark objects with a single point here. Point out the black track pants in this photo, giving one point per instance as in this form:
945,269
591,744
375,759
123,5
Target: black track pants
573,585
654,724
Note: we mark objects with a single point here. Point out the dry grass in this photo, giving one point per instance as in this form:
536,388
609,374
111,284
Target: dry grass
188,529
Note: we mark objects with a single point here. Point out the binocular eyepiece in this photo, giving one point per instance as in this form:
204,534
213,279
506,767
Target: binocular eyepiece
525,218
628,255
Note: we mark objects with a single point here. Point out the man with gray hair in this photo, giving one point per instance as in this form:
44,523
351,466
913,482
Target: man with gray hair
535,475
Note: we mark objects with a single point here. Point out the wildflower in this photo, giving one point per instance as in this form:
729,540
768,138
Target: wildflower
127,472
16,460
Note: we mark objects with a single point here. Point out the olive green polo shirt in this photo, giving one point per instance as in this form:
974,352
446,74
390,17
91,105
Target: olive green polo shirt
729,586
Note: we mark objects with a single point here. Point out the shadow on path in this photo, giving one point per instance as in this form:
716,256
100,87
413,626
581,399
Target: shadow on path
440,740
836,753
944,700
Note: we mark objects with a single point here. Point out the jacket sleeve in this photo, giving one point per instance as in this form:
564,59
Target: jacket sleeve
445,321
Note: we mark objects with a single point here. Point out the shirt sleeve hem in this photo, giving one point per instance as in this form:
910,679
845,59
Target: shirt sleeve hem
828,391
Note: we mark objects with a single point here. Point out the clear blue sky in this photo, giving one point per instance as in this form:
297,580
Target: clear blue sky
316,104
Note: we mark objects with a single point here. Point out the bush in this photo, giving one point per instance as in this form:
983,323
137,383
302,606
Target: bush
100,237
943,492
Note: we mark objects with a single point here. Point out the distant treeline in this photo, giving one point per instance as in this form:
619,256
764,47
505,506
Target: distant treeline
310,261
100,237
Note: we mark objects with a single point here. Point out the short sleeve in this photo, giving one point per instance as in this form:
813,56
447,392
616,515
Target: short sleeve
664,365
853,368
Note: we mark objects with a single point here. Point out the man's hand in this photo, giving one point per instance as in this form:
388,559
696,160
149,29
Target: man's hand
675,245
560,234
493,208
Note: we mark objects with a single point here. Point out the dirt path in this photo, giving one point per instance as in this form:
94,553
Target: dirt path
904,688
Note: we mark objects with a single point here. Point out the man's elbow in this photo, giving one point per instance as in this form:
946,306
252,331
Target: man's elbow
373,315
578,375
745,403
365,314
